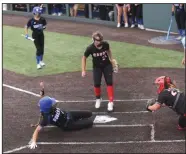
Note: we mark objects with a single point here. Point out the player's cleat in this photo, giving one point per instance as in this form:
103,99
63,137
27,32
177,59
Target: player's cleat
126,25
181,128
132,26
98,103
110,106
118,25
179,38
42,63
38,66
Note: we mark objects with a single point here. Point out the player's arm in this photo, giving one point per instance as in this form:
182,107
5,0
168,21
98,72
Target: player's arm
32,143
39,120
42,91
173,9
153,105
27,27
84,61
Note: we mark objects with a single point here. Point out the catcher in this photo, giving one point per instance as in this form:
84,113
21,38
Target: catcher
103,64
169,95
51,115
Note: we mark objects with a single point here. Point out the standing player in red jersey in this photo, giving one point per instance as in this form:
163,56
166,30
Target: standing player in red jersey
103,64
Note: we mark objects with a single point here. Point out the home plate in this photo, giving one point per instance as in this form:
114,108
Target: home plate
104,119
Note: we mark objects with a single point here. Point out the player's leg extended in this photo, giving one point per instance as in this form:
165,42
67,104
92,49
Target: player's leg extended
42,39
38,51
108,75
182,22
97,75
79,124
76,115
178,22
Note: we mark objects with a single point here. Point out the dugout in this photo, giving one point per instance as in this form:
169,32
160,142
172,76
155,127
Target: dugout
155,16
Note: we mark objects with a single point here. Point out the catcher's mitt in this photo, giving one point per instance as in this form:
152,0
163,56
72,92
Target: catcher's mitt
150,102
115,65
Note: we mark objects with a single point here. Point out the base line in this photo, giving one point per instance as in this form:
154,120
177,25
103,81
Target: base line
16,149
91,143
70,101
107,126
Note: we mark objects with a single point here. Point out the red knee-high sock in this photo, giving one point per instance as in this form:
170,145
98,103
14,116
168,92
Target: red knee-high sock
97,91
110,92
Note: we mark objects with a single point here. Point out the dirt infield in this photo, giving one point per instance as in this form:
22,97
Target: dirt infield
20,109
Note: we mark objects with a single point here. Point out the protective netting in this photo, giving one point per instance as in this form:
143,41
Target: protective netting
164,40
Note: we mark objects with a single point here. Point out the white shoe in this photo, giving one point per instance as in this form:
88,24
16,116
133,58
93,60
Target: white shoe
110,106
54,14
142,27
59,14
132,26
179,38
139,26
126,25
38,66
98,103
118,25
42,63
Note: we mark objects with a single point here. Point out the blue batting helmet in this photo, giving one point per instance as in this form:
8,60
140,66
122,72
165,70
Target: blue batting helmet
37,10
46,103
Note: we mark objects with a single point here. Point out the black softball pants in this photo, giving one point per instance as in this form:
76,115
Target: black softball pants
180,19
107,71
39,43
78,120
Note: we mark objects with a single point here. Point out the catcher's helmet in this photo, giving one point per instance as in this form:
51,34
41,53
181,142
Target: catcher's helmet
163,82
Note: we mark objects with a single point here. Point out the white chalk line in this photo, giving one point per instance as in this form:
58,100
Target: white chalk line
109,126
97,143
91,143
133,112
71,101
16,149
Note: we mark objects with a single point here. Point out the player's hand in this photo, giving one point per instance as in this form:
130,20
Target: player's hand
183,61
150,102
83,74
32,145
42,84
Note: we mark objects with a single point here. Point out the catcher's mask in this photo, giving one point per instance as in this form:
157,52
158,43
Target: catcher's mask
97,38
163,82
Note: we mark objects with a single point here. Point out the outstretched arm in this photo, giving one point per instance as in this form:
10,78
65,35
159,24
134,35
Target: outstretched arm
32,143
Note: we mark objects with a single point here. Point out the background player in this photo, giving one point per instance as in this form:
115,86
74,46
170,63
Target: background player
51,115
37,25
102,64
179,11
169,96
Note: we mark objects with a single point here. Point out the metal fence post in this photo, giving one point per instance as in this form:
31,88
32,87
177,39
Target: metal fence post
28,7
67,10
90,10
115,13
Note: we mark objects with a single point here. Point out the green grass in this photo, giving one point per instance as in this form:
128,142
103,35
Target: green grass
63,54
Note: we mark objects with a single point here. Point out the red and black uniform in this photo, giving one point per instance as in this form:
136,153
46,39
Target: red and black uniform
174,99
101,65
